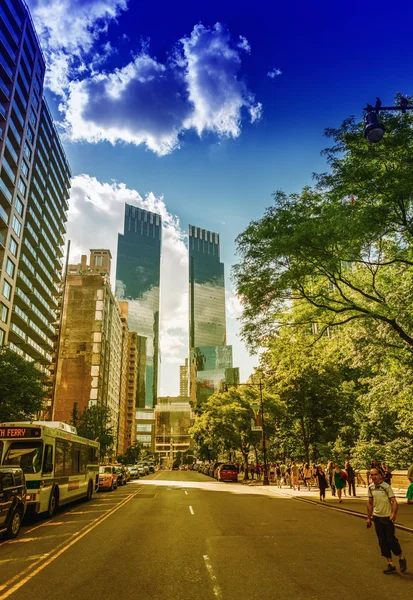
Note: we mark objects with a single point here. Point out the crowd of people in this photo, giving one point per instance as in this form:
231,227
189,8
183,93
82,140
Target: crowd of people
341,481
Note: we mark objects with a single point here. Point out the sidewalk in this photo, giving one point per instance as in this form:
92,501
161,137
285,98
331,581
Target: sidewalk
351,505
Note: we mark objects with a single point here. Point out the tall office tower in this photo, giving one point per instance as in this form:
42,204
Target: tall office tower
90,351
183,379
210,357
137,281
131,358
34,192
173,419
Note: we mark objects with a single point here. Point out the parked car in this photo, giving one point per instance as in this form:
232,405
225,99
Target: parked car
141,470
108,477
227,472
146,467
12,500
134,471
122,475
128,477
151,467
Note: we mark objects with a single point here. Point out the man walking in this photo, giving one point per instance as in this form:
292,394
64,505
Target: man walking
382,506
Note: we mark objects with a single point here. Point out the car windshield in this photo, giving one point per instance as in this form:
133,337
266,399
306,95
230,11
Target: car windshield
103,470
26,455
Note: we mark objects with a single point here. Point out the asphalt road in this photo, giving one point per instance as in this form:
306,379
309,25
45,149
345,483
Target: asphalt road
183,536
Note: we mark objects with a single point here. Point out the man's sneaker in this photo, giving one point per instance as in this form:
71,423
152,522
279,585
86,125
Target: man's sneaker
390,569
403,564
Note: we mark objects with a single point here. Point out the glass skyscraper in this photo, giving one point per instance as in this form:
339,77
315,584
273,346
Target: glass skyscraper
137,282
34,191
210,357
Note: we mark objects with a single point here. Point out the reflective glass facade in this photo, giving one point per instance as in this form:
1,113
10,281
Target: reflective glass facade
210,357
137,281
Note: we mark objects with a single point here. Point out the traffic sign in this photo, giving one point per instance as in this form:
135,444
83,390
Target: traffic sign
256,428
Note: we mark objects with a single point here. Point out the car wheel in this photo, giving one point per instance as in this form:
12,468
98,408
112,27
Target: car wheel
15,524
112,487
54,503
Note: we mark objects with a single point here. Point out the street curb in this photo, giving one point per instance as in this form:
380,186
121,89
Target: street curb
346,510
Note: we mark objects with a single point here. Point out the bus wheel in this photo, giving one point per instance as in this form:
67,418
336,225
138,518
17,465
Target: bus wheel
89,491
54,502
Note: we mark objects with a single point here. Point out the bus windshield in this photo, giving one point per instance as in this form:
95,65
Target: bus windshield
26,455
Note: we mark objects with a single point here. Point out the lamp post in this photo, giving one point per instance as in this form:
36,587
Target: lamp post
265,481
374,130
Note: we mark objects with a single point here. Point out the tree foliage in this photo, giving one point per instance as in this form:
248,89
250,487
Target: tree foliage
326,282
21,388
341,249
93,424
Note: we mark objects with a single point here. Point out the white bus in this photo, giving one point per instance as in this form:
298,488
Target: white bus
59,466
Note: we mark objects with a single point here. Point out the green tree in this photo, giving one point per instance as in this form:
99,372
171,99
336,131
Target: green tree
341,250
132,455
312,386
93,424
21,388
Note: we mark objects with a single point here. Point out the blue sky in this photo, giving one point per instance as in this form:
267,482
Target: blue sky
170,105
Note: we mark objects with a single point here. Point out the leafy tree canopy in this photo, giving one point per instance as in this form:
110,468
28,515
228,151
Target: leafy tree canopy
340,251
21,388
92,423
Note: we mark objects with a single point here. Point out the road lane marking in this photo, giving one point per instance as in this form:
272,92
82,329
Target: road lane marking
186,492
27,575
21,558
191,510
86,512
215,586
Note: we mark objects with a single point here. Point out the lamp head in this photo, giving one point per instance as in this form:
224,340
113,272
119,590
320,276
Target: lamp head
374,130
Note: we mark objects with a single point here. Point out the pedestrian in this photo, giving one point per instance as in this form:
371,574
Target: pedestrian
258,470
386,473
321,479
307,476
288,479
252,471
278,474
382,509
409,494
339,481
272,472
330,477
351,479
294,476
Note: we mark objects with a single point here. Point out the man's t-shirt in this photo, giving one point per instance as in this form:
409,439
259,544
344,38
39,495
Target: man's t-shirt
381,495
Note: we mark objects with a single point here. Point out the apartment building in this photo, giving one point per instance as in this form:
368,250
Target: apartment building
90,350
34,191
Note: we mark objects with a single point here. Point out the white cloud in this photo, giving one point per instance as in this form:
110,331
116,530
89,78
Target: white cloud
96,216
68,30
233,304
145,101
274,72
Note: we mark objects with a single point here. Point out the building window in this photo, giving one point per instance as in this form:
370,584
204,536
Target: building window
16,225
143,438
6,290
10,266
1,336
32,118
35,102
22,187
13,246
30,134
4,311
27,151
19,206
98,261
145,428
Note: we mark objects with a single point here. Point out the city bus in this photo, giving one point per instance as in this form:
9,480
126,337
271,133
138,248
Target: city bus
59,465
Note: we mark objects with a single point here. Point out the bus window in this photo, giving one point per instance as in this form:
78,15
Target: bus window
48,459
60,459
93,459
75,459
83,459
26,455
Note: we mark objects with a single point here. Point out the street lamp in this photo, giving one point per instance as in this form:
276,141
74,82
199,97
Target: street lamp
374,130
260,385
